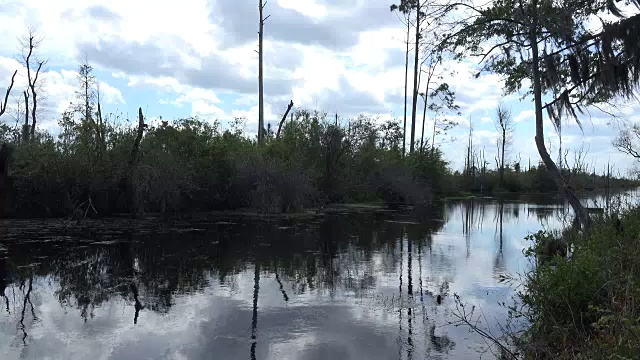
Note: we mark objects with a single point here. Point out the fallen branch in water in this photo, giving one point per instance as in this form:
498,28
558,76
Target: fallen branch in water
466,318
88,204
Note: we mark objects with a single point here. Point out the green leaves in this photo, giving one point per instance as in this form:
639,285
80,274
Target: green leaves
578,67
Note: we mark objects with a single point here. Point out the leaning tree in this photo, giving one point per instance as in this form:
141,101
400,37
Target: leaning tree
567,54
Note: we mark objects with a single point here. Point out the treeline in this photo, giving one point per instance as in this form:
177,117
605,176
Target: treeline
96,167
535,179
103,167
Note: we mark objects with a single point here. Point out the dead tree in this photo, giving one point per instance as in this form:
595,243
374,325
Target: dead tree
126,182
3,105
101,144
505,131
25,127
261,6
284,118
414,105
407,22
406,78
32,78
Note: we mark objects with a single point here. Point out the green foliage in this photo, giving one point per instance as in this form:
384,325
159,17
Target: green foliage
577,66
586,306
190,164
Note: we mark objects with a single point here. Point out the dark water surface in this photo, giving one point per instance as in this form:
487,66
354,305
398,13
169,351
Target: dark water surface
341,286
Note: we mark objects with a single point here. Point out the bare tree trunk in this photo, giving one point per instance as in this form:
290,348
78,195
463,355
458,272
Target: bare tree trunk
32,83
126,184
285,118
3,105
25,128
560,145
100,142
86,97
554,172
433,136
504,140
424,120
415,79
406,78
260,76
424,113
100,132
33,108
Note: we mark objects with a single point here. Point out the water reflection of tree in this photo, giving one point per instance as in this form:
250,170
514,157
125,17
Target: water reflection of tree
472,213
22,303
148,270
4,279
417,240
26,300
541,213
499,264
254,317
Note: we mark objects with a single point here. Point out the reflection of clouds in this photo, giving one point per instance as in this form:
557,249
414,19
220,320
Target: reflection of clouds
342,281
110,334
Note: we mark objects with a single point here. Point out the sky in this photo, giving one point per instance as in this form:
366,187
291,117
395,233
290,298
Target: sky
198,58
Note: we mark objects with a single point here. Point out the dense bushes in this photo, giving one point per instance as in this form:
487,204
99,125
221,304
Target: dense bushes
587,306
271,186
190,164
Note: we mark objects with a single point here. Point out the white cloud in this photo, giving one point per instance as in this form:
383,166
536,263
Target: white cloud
203,66
524,115
309,8
110,94
486,120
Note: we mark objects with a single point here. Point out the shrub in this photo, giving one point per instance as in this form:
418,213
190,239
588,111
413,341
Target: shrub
586,306
270,186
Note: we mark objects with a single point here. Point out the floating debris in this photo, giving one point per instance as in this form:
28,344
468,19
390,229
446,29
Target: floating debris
106,242
179,230
403,222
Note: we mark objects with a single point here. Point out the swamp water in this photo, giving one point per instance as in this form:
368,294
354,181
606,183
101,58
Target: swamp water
348,285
